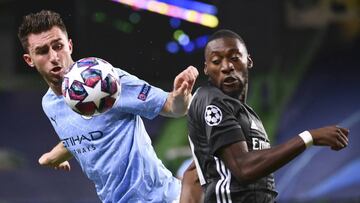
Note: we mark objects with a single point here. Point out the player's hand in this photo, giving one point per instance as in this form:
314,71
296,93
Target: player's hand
46,160
184,82
63,166
178,100
333,136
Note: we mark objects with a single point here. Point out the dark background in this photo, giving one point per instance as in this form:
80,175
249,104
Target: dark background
306,74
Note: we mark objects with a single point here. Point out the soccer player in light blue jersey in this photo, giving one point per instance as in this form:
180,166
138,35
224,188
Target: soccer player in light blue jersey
113,149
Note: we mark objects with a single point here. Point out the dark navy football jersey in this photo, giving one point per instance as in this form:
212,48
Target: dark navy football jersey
215,120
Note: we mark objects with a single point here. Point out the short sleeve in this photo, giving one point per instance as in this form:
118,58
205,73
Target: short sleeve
139,97
221,125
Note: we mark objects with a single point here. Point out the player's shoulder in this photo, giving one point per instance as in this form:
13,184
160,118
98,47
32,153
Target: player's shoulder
212,96
207,91
122,73
127,78
48,96
204,96
50,100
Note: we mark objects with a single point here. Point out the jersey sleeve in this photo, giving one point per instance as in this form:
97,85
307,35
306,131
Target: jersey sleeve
48,104
139,97
221,125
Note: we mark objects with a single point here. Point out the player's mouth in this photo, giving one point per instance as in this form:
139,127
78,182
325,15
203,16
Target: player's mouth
56,69
57,73
230,80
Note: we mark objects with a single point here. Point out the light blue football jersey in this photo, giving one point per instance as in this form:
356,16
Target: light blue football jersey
113,148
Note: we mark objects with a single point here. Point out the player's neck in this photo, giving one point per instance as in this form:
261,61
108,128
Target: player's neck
56,89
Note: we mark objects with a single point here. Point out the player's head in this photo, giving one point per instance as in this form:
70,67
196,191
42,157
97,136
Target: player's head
46,44
35,23
227,62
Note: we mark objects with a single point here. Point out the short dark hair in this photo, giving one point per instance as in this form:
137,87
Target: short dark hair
224,33
38,22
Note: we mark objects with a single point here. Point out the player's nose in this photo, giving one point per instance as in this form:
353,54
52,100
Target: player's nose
54,56
227,66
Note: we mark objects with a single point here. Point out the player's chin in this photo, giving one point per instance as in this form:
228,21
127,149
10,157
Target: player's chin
232,90
57,82
56,79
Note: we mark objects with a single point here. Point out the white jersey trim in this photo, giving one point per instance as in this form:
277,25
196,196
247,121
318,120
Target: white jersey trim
198,169
222,189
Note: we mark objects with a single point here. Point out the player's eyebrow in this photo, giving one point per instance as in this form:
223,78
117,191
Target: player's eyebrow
233,50
38,48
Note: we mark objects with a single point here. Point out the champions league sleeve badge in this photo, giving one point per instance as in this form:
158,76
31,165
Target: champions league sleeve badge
213,115
144,92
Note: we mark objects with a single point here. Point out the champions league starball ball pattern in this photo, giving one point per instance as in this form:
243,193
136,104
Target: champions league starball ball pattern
91,86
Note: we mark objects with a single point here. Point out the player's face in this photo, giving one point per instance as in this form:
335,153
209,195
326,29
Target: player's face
227,63
50,52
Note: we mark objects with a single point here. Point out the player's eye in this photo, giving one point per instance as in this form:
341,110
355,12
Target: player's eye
58,47
235,58
216,61
42,51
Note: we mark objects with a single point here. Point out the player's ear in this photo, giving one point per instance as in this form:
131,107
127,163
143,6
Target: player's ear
28,60
205,69
70,46
250,62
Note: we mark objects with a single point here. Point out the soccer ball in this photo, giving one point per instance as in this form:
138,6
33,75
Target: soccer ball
91,86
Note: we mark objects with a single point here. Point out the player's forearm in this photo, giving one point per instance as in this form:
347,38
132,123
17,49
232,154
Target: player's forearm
256,164
56,156
248,166
176,106
191,191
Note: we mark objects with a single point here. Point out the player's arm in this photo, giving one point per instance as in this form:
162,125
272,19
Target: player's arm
191,191
248,166
178,100
57,158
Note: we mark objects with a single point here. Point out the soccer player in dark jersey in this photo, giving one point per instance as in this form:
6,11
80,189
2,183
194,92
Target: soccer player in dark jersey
232,152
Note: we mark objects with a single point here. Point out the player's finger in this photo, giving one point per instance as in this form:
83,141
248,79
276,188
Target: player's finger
193,71
336,148
183,77
341,139
179,82
183,88
344,131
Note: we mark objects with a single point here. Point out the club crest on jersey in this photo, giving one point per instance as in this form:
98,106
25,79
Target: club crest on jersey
213,115
144,92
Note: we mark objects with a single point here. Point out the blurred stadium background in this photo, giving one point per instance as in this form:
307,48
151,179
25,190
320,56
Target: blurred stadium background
307,74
